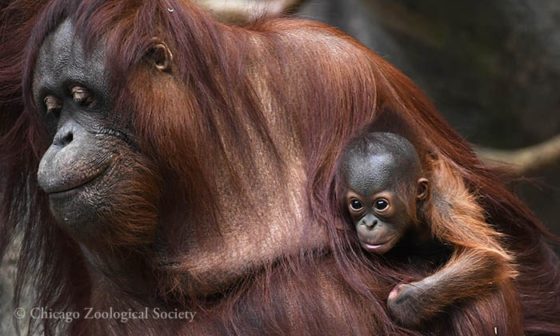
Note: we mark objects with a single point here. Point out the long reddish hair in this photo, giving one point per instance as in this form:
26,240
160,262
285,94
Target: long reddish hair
325,89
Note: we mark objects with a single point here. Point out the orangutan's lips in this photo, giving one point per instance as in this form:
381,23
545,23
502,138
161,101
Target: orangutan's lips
61,189
374,246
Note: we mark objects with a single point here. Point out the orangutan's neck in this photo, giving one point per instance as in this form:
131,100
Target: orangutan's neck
271,222
122,273
254,229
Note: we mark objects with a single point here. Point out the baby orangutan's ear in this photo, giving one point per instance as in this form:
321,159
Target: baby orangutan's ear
423,189
159,55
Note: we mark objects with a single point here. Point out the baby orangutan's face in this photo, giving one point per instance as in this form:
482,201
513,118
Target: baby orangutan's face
381,219
381,211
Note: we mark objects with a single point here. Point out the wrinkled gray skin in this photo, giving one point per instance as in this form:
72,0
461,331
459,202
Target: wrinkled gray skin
79,170
386,167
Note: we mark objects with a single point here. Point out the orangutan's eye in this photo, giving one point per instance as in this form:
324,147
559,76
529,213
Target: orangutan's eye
52,105
356,205
381,204
81,96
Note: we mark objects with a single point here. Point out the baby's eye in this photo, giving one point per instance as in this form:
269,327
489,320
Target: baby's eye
356,205
381,204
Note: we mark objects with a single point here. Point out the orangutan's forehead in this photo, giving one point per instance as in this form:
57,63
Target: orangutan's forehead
62,59
374,173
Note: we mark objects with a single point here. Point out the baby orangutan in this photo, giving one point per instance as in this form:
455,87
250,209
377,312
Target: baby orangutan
388,196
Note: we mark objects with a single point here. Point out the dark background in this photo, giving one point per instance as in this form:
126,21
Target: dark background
492,68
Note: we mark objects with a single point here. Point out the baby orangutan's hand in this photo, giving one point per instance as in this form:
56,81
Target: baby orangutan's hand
407,304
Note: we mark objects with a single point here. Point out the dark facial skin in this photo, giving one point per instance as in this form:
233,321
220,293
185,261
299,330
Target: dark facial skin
91,169
381,212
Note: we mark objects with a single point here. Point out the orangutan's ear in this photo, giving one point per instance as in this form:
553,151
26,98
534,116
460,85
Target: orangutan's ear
423,189
159,55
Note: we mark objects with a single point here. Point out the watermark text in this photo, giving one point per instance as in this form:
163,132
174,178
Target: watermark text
89,313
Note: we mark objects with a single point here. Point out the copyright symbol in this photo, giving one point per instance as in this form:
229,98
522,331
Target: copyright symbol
19,313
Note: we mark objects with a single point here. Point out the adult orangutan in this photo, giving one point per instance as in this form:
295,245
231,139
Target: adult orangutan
157,159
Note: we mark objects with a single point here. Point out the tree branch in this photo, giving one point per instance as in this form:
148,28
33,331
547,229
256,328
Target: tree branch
243,11
524,160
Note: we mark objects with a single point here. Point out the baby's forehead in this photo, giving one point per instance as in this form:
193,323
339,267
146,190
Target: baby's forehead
368,174
372,161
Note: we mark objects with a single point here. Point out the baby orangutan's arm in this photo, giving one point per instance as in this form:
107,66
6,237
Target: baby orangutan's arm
478,266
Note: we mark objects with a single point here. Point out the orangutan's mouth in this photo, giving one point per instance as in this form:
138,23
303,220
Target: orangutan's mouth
61,189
